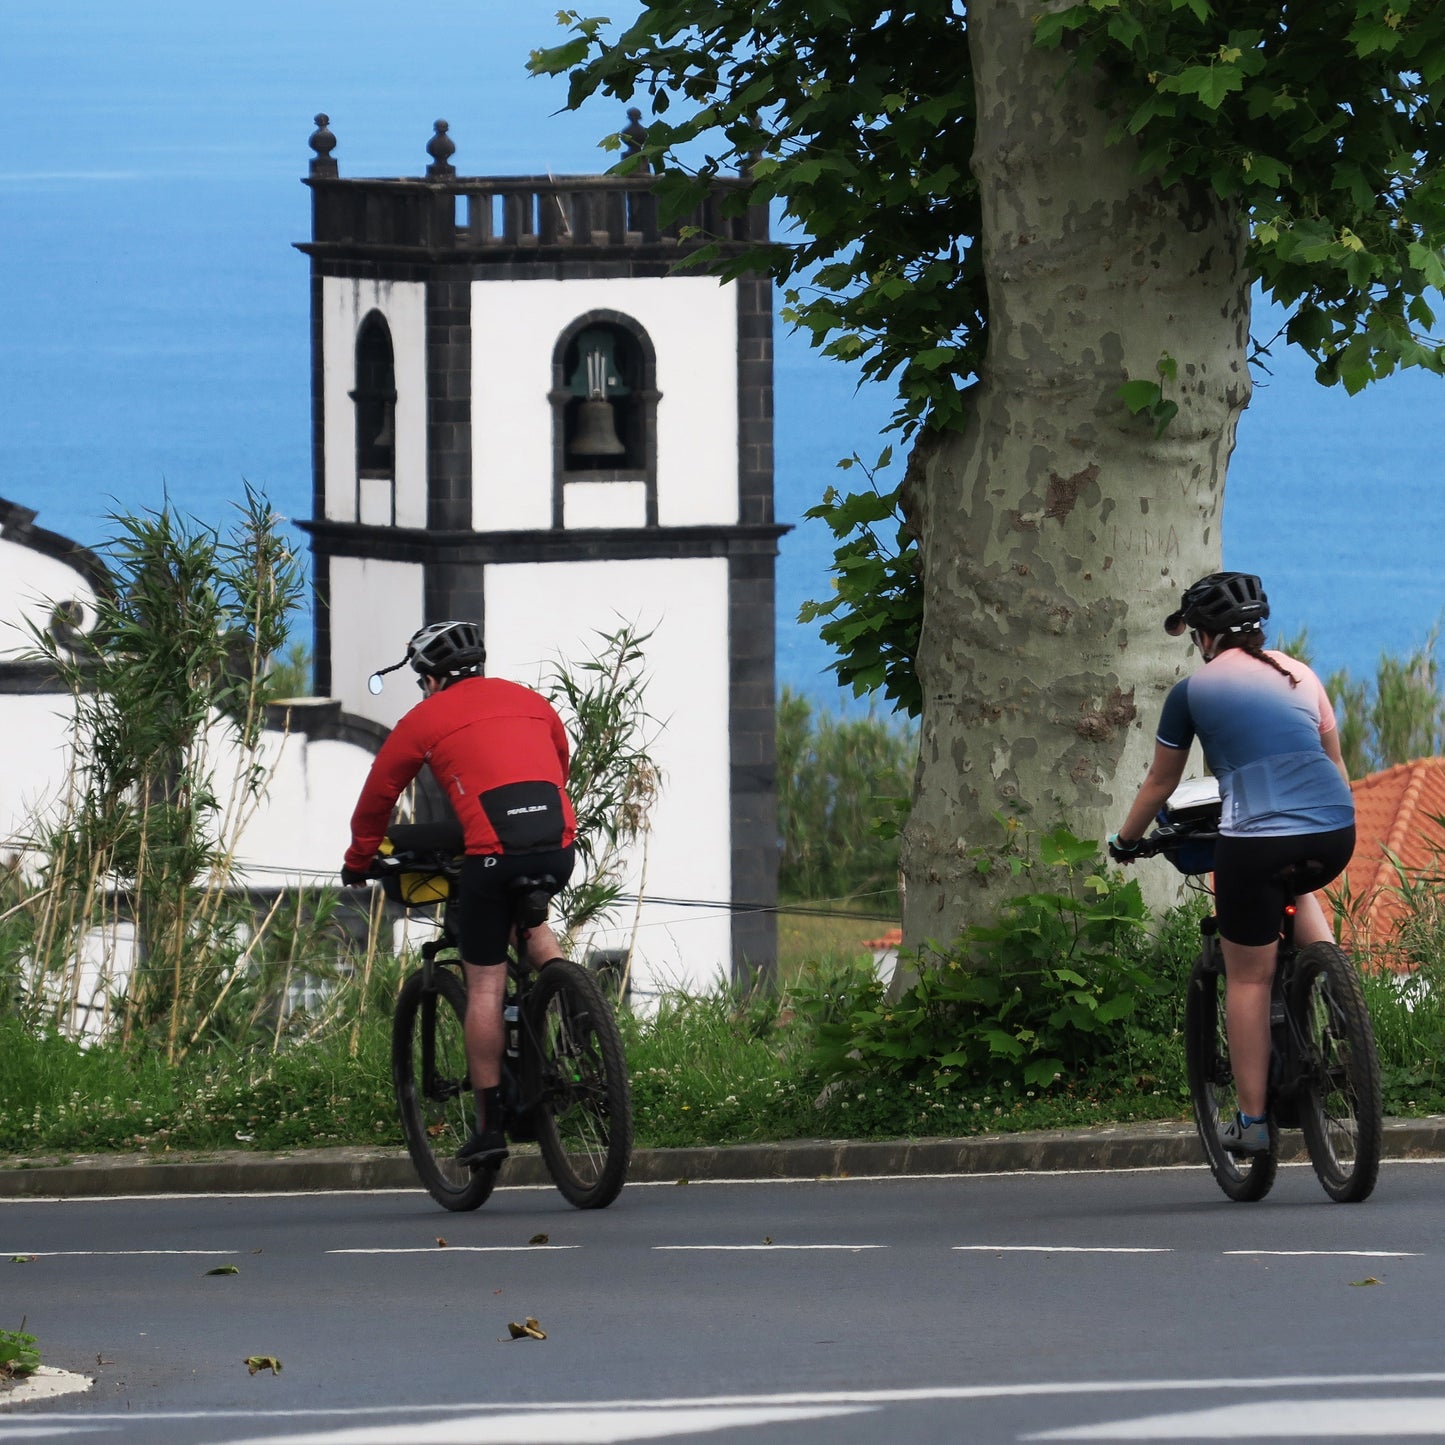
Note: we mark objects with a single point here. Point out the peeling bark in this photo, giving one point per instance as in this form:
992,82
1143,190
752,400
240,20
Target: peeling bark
1056,530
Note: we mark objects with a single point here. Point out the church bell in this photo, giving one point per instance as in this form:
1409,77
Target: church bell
596,433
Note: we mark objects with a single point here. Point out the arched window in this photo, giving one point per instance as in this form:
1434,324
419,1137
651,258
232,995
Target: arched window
375,398
604,404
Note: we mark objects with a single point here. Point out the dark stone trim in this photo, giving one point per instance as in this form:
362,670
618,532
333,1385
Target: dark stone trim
477,549
660,260
755,400
318,401
321,719
559,396
454,588
320,616
752,766
449,398
383,264
31,677
17,524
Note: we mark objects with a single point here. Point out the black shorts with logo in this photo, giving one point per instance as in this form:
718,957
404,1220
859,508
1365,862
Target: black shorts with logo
1248,902
484,907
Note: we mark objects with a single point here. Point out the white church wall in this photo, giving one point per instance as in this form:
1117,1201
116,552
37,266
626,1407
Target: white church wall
692,322
37,729
345,304
537,613
376,606
604,504
31,583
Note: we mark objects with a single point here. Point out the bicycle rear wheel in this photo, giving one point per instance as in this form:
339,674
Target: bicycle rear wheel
584,1102
1341,1110
1206,1057
433,1093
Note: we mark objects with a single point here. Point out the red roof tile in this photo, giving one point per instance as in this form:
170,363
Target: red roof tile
1395,814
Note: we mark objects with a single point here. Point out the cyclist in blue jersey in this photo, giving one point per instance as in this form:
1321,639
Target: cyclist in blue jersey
1269,736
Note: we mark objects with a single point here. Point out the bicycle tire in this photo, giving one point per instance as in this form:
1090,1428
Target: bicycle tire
433,1092
584,1101
1206,1058
1341,1109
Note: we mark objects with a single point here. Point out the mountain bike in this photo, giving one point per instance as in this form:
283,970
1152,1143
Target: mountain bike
1324,1075
564,1079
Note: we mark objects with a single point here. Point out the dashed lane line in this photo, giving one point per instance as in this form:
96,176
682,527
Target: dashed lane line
1060,1249
462,1249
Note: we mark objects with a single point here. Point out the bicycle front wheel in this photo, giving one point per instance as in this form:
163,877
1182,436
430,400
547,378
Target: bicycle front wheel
433,1092
1341,1108
1206,1057
584,1102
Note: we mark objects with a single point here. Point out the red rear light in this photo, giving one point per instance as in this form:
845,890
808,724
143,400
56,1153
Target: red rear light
1290,910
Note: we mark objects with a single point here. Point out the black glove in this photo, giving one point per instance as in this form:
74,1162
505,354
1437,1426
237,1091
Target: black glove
354,877
1122,852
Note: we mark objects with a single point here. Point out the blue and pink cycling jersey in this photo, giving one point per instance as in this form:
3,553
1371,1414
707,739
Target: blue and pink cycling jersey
1261,739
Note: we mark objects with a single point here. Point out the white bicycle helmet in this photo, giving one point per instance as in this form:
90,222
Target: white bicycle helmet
447,650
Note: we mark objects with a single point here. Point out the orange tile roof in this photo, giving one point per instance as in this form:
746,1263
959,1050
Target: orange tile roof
1395,814
893,938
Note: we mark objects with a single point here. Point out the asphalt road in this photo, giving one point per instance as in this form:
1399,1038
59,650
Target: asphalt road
1123,1305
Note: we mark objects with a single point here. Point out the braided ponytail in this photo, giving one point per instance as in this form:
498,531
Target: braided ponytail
1252,642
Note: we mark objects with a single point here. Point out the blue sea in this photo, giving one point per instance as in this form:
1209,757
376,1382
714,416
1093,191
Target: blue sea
154,334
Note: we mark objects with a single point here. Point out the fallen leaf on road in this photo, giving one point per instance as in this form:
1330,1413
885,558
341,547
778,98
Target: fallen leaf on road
255,1363
22,1259
441,1243
767,1239
528,1330
1368,1279
224,1269
682,1181
539,1239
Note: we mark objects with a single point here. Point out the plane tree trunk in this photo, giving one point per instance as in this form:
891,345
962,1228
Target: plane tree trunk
1056,528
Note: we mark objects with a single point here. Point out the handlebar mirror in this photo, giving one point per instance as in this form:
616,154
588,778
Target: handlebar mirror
374,684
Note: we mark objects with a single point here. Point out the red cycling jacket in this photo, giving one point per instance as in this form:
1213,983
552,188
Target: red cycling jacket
499,752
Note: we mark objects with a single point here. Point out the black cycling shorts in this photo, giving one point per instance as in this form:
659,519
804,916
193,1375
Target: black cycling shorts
1247,901
484,907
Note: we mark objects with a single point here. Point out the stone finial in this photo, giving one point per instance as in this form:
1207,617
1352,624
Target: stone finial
323,143
441,148
634,135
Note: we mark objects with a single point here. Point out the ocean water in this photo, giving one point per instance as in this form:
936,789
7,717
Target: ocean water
154,342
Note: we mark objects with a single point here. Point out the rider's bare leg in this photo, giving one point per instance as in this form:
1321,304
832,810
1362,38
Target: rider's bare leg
483,1027
1249,971
1310,924
542,945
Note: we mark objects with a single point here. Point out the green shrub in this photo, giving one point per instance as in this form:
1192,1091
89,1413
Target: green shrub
18,1353
843,793
1047,993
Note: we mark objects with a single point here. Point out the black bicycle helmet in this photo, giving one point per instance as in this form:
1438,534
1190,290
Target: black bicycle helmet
1221,602
447,650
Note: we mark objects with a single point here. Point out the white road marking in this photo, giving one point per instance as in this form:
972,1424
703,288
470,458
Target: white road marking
117,1253
1330,1253
764,1248
1275,1420
1059,1249
46,1383
1038,1390
463,1249
563,1427
44,1432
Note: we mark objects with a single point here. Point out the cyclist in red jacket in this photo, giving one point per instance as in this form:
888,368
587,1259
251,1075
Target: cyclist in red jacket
499,752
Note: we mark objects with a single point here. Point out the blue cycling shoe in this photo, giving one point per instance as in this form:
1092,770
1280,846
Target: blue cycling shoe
1246,1139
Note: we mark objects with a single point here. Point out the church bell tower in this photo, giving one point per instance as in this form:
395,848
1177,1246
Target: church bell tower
525,412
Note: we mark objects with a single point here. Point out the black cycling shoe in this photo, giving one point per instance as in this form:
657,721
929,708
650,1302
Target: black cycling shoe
484,1150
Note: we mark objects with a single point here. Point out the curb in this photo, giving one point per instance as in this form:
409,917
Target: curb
1133,1146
